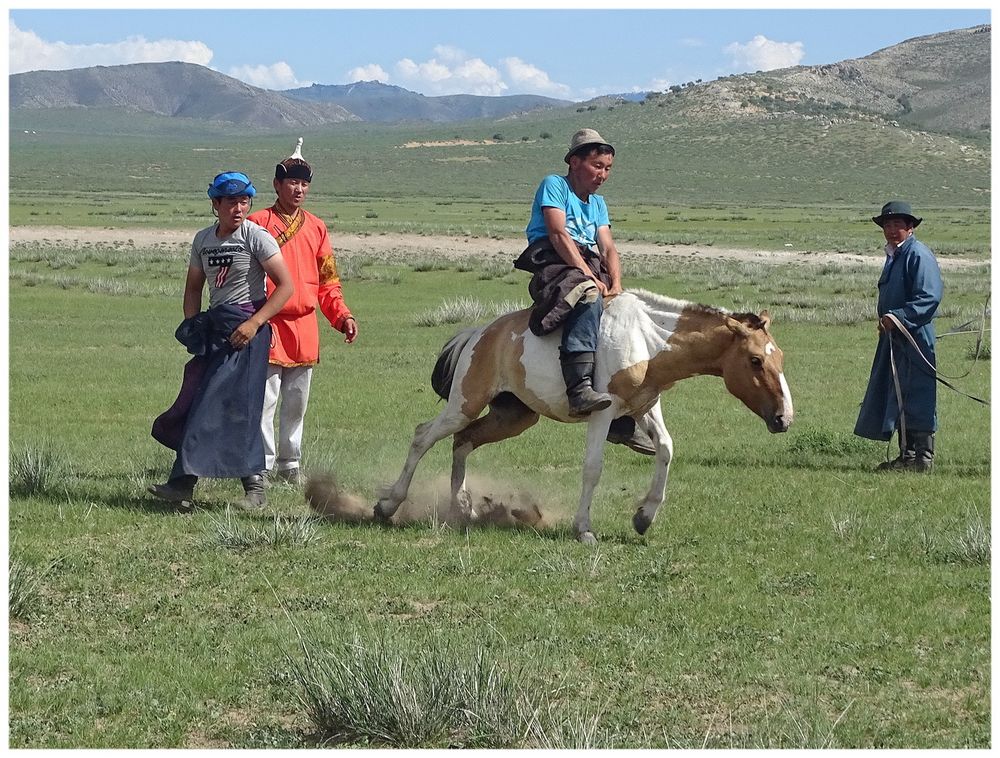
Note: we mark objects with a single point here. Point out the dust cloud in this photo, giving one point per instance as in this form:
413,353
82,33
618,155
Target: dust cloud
493,504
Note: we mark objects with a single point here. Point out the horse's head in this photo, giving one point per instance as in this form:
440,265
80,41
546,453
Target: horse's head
752,369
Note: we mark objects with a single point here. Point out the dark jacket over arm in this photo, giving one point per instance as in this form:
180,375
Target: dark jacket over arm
555,286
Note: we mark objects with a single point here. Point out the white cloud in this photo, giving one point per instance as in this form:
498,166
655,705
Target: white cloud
450,54
450,72
762,54
482,78
277,76
527,77
29,52
431,73
370,73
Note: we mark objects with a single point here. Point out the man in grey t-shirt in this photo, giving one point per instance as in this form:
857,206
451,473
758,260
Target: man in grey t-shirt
215,423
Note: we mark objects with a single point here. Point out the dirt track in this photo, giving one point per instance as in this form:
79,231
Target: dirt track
413,246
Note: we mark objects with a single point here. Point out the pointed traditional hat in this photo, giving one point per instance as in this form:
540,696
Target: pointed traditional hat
294,166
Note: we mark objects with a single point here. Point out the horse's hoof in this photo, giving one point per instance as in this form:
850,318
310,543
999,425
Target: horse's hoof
587,538
641,522
380,515
456,519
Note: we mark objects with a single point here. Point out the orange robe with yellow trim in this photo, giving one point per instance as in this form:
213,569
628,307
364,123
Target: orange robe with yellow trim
313,267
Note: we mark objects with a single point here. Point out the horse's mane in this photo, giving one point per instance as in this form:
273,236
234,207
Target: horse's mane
750,319
669,305
663,304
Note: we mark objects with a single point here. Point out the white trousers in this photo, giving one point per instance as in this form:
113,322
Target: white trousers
291,385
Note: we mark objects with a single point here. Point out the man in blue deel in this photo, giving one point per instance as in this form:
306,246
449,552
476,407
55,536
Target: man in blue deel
910,290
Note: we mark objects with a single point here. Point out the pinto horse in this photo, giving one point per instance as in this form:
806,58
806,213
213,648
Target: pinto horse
647,342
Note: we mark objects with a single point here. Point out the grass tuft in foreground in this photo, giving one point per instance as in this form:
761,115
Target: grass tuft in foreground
23,585
971,546
373,692
239,534
37,470
784,729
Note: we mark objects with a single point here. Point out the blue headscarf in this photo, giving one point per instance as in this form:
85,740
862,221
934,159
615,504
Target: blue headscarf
231,184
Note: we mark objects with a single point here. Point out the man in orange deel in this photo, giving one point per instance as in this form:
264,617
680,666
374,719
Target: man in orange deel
308,254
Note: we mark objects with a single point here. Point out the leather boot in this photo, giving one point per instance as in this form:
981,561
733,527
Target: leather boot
254,496
578,373
923,452
624,431
904,461
180,489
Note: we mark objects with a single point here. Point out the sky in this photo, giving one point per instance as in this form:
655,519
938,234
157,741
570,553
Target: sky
559,51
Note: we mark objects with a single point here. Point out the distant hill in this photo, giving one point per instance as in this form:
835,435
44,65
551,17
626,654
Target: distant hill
940,82
385,103
182,90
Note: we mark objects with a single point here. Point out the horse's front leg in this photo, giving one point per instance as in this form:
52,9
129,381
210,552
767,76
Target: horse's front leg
593,464
425,437
652,423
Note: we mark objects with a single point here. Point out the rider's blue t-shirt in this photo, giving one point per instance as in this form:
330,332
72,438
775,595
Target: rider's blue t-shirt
582,219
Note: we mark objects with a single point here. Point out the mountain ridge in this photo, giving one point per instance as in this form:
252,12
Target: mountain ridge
387,103
938,82
174,89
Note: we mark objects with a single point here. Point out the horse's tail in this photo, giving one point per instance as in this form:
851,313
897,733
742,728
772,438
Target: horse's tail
444,370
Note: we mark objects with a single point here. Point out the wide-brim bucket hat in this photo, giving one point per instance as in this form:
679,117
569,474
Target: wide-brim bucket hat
586,138
896,209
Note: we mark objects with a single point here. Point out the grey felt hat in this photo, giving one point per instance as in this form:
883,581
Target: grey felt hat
896,208
586,138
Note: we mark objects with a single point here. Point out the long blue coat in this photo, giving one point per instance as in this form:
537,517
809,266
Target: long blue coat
214,424
909,288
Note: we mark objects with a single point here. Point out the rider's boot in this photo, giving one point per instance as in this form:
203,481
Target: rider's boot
578,373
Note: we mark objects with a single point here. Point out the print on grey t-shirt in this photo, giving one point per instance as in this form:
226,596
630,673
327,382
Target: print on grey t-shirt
232,265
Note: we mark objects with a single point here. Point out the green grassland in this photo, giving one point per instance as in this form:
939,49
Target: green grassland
809,183
786,596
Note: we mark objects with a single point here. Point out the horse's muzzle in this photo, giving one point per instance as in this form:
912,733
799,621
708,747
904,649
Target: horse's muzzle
778,423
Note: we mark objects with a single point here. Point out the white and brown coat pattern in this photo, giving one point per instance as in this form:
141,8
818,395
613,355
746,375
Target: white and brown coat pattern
647,343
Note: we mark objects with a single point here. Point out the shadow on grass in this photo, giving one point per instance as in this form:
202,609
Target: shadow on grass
146,502
965,470
86,492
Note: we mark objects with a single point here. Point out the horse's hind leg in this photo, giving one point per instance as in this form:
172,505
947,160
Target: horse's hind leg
507,418
652,424
449,421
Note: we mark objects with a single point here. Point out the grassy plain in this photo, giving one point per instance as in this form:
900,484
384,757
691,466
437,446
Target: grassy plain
786,596
811,184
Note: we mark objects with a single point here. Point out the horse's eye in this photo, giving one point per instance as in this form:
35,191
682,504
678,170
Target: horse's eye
756,361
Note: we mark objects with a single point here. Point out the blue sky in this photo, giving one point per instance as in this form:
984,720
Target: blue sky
559,52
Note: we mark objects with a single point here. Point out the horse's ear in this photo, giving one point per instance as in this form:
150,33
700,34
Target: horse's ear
737,327
765,319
